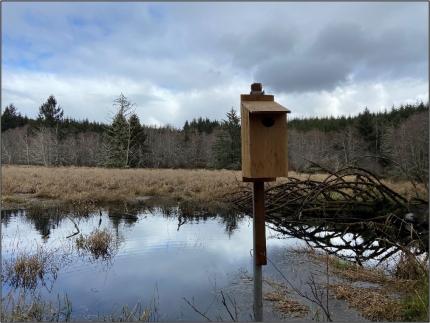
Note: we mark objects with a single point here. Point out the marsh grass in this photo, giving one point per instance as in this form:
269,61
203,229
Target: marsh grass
84,185
410,268
100,185
372,303
100,243
137,313
397,294
354,272
414,274
22,308
286,305
32,308
26,269
400,295
416,304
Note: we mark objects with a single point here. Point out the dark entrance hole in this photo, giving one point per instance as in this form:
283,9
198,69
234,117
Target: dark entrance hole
268,121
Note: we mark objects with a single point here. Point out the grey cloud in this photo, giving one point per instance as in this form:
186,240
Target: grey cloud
342,40
300,74
344,50
257,46
399,53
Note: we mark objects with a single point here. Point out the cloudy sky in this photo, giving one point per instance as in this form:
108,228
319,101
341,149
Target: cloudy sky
177,61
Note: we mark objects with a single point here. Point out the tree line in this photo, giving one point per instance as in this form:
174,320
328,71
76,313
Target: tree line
391,143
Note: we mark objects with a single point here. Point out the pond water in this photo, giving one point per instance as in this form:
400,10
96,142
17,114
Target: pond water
159,258
171,259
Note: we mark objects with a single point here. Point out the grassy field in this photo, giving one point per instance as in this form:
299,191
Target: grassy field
71,184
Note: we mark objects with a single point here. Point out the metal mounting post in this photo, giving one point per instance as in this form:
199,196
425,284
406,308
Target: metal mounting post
259,230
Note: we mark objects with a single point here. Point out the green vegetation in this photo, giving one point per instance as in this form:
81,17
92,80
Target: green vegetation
124,138
415,306
49,113
341,264
227,148
365,120
200,125
11,118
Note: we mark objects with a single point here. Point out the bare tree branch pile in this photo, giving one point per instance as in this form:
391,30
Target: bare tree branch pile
351,200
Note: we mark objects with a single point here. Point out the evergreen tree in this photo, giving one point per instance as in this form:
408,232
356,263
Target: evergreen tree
186,126
221,151
364,125
200,125
11,118
369,126
186,130
51,116
49,113
118,136
233,128
137,141
227,148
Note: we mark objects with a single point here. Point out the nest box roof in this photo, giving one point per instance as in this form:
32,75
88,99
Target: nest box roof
255,107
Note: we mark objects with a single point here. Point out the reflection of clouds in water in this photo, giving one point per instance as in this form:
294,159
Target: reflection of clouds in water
284,241
349,237
185,263
337,244
159,233
151,232
154,232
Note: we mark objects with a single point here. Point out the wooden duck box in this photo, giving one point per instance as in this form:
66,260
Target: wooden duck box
264,136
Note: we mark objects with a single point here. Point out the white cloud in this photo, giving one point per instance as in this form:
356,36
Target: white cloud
353,98
83,97
180,61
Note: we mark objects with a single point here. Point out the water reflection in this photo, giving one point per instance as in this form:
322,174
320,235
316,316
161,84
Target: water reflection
172,248
360,242
43,219
181,254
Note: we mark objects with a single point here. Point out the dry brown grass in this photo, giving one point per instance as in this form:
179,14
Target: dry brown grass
22,308
282,302
348,270
408,272
404,280
86,184
354,272
286,305
109,185
410,268
100,243
372,303
401,295
25,270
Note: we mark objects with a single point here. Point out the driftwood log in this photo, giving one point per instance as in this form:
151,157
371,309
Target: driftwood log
349,210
